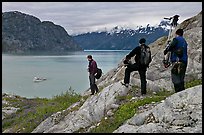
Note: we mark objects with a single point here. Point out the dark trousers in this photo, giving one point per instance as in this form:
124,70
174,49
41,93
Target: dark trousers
93,86
142,73
178,80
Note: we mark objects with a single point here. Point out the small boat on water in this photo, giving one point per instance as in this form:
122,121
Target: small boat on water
39,79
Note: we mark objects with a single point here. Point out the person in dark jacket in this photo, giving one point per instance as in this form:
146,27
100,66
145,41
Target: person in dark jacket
92,69
137,66
179,60
175,20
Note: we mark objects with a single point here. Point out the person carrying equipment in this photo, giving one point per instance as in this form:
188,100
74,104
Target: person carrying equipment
179,60
166,60
174,21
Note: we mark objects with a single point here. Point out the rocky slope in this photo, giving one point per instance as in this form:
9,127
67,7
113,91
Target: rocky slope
180,112
8,110
26,33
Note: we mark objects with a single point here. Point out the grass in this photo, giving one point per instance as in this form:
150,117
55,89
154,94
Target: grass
192,83
34,111
125,112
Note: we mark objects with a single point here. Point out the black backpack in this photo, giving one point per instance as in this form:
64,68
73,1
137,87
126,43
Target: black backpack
145,57
98,73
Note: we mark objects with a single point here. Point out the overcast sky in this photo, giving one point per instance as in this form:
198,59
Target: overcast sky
80,17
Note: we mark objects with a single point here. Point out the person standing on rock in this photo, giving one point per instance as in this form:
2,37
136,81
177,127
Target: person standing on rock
92,69
143,58
179,60
175,20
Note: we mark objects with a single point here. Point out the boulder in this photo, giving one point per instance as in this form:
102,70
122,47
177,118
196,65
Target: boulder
181,112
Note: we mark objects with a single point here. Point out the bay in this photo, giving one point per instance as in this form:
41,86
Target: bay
62,71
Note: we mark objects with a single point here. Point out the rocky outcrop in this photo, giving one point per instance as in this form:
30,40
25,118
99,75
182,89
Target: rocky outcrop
7,109
26,33
90,113
179,113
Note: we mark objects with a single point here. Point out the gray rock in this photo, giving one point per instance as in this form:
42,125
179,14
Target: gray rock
110,113
181,112
152,128
92,111
54,119
8,111
4,102
114,106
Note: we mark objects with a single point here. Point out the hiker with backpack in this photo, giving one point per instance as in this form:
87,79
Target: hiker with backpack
92,69
179,59
143,58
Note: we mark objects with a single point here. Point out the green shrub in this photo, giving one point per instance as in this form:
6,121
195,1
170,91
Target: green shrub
193,83
125,112
34,111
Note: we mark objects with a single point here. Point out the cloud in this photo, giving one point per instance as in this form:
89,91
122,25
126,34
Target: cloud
78,17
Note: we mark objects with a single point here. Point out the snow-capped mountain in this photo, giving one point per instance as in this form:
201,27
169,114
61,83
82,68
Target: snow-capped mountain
121,38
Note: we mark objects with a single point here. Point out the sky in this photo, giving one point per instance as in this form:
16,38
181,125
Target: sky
83,17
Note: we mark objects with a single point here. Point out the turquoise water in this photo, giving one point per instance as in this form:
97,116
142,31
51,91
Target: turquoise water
61,71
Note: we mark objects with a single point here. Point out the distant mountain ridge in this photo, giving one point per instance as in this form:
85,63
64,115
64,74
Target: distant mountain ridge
24,33
120,38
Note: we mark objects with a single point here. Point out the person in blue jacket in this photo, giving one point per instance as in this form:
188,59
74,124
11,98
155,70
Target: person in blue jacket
179,60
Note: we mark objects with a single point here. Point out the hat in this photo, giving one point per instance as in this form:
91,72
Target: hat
142,40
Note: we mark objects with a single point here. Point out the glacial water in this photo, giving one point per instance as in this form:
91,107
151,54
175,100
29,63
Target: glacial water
61,71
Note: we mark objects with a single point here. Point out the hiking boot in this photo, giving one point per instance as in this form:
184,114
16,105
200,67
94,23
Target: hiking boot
125,84
143,95
96,91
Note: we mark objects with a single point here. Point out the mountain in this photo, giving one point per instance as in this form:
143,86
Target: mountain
120,38
25,33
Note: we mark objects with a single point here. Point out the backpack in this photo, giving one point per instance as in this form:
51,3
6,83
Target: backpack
145,57
98,73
